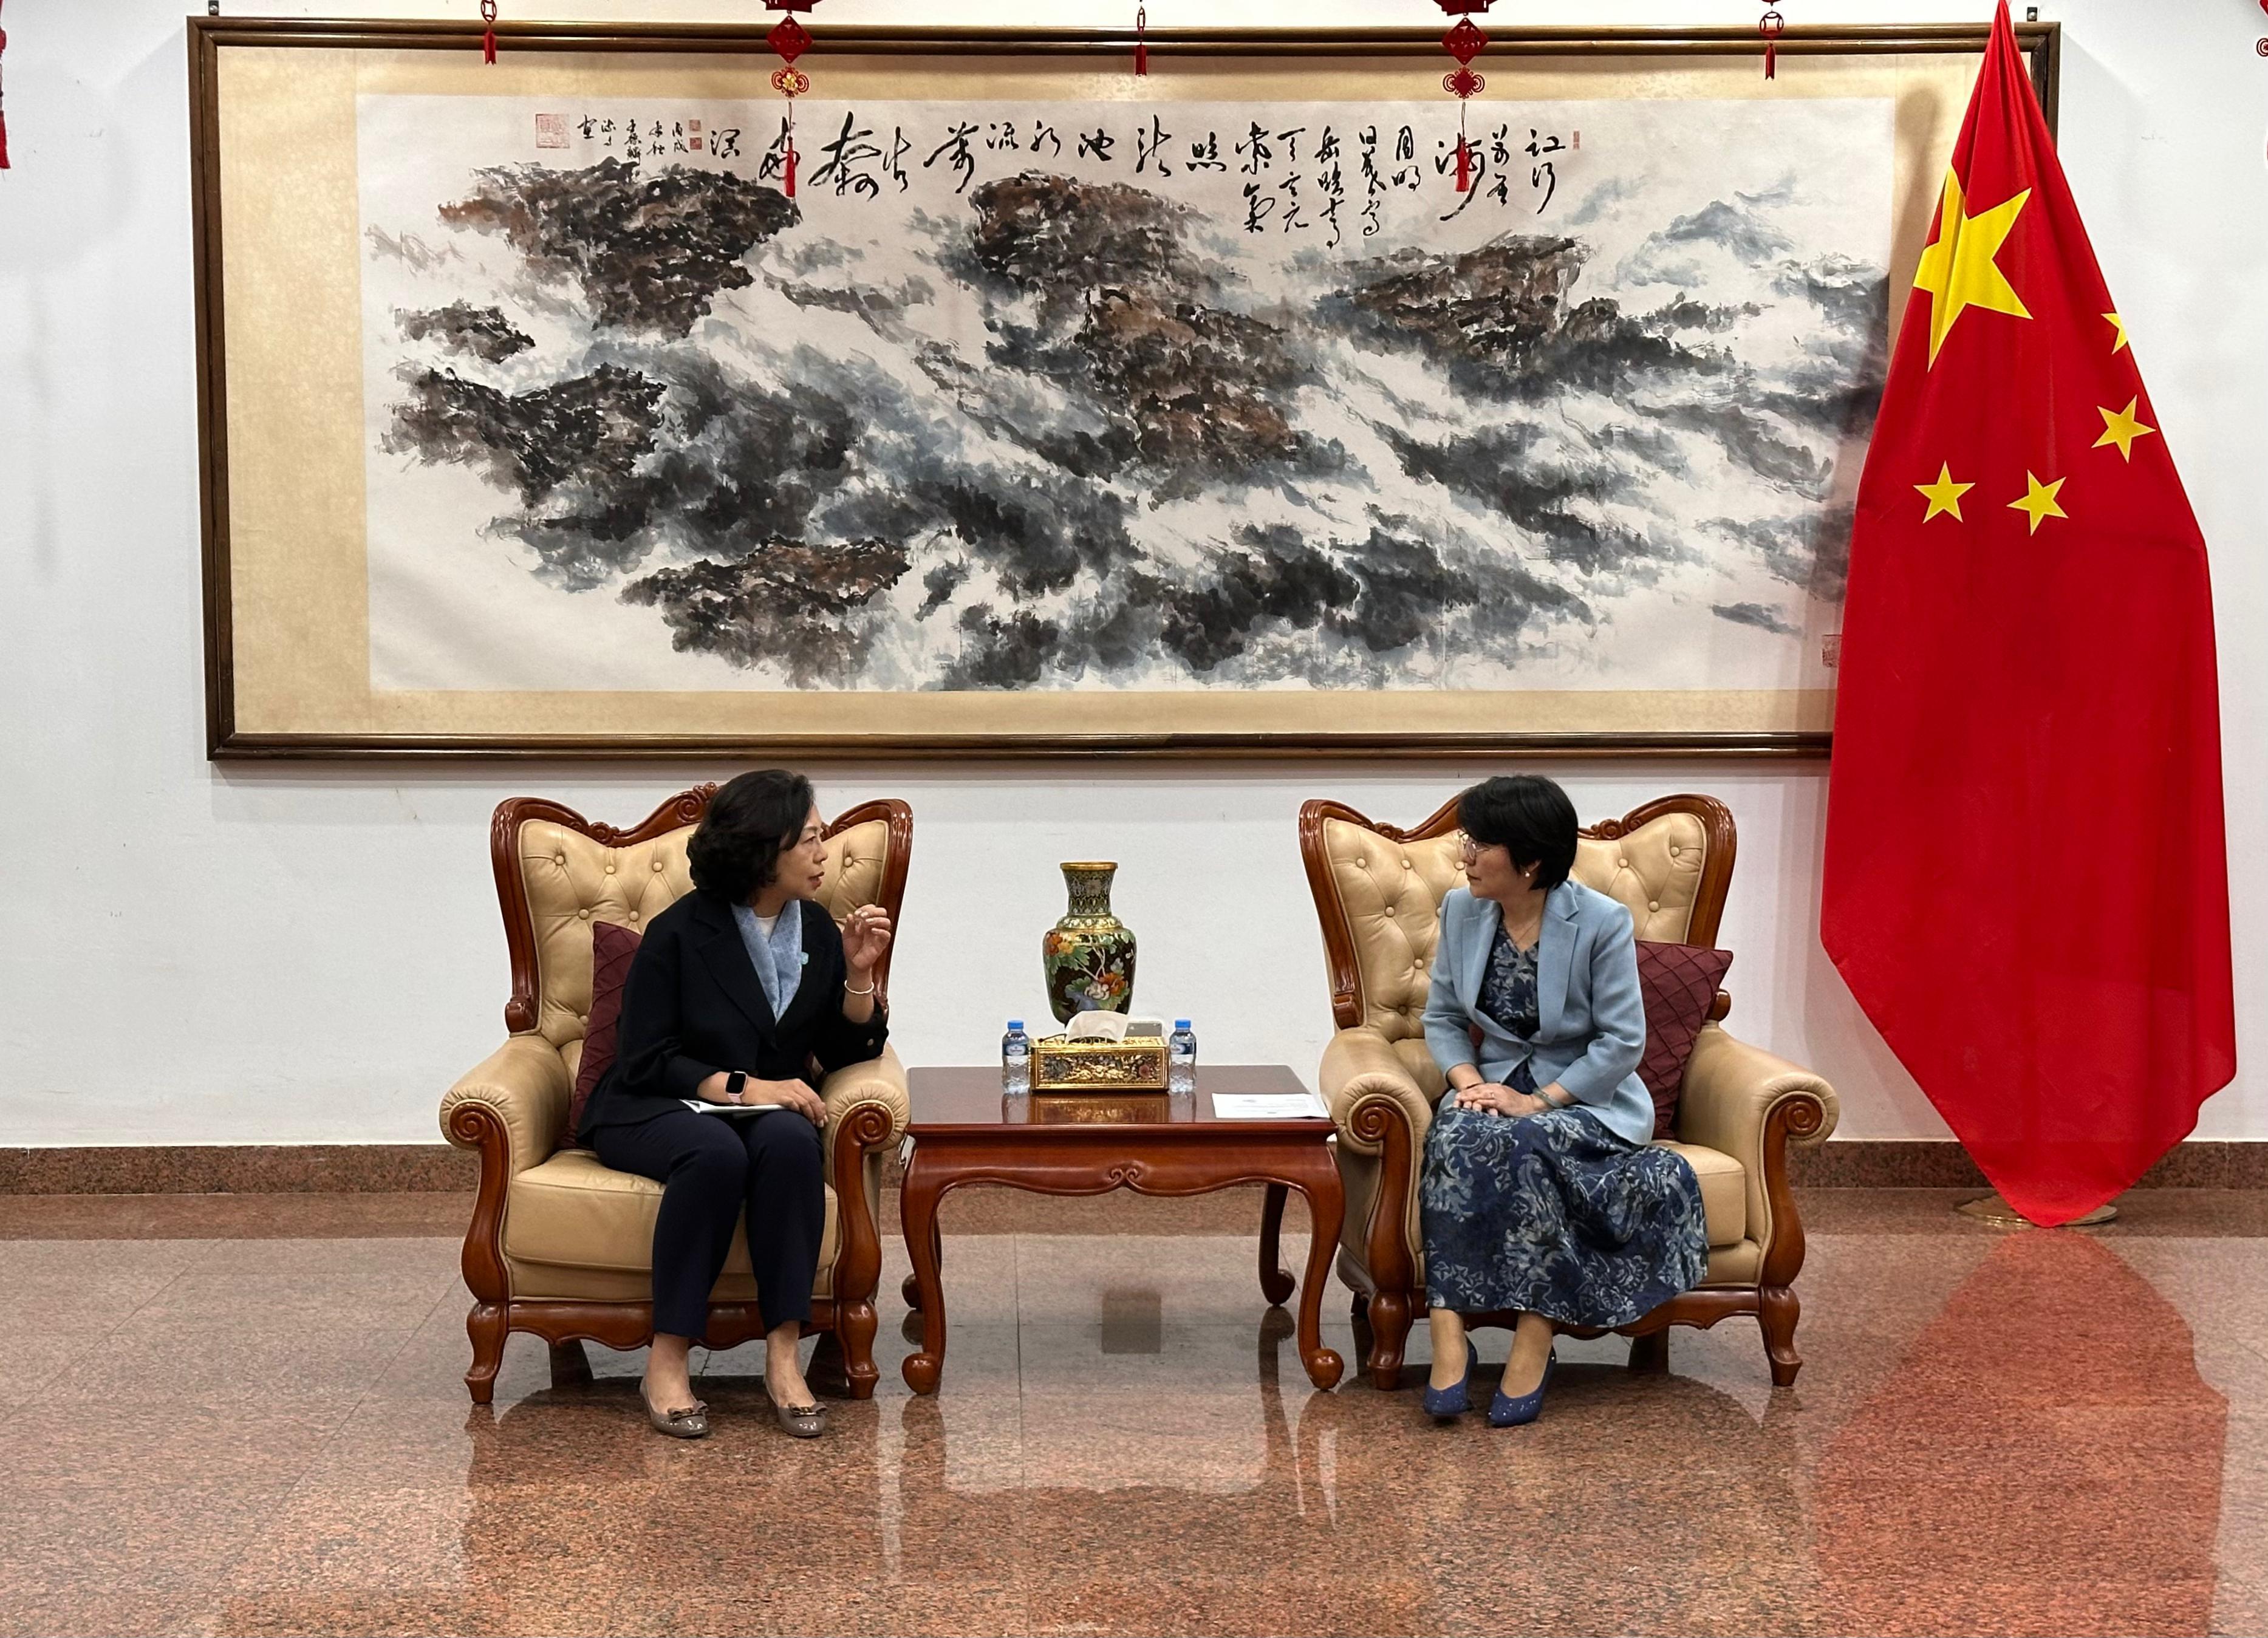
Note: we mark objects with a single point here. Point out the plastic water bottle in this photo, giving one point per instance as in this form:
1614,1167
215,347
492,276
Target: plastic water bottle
1016,1061
1181,1058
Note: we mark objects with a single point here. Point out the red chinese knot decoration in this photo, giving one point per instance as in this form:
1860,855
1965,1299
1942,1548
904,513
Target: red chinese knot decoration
1464,42
1141,39
488,34
1771,25
790,40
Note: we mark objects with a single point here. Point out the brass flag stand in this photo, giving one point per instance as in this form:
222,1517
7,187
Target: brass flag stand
1995,1212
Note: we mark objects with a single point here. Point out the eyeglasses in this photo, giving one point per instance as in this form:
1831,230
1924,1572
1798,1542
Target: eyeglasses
1467,847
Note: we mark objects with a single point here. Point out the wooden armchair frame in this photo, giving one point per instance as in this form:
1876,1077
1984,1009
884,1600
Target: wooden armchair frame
1784,1104
478,1115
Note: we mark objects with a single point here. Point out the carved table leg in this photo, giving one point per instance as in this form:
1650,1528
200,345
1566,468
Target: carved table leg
911,1289
917,1198
1326,1208
1275,1279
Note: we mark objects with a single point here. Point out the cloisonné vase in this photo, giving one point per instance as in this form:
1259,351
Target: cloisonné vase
1088,954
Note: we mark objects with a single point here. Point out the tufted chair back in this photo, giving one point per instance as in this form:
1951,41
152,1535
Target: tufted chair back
557,873
1379,890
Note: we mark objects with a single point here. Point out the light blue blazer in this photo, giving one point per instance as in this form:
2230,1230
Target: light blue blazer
1590,1017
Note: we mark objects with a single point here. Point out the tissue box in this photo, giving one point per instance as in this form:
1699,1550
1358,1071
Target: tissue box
1136,1064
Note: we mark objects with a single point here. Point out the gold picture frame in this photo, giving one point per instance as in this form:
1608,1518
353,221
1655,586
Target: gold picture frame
283,424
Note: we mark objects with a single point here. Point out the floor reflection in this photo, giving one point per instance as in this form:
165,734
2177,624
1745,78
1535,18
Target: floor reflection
2046,1457
1993,1433
1146,1528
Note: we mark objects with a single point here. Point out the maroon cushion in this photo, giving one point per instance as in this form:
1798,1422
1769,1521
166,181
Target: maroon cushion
611,949
1680,983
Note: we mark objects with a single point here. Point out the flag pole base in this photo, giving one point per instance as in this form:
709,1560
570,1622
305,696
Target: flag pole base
1995,1212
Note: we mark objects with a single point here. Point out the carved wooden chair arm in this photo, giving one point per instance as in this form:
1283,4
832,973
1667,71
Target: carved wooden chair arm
1743,1101
1359,1067
867,1108
520,1090
1379,1109
879,1081
1732,1089
510,1109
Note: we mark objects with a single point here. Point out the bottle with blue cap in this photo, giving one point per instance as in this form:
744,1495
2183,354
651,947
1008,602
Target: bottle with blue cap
1016,1061
1181,1058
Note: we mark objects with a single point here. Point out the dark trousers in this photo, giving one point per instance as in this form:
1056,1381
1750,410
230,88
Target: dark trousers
711,1169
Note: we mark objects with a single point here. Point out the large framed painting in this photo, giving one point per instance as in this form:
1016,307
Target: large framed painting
1046,408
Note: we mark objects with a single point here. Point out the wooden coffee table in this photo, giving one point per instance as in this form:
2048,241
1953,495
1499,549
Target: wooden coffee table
964,1131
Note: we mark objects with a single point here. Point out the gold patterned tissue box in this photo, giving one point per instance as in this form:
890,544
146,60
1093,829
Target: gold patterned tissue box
1136,1064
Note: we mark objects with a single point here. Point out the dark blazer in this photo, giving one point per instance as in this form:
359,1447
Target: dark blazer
693,1005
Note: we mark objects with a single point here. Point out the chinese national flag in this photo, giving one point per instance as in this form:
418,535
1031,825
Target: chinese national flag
2027,882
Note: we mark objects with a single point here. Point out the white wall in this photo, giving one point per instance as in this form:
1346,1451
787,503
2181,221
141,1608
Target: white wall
194,953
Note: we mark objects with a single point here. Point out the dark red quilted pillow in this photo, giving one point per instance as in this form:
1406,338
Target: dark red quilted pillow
611,949
1680,983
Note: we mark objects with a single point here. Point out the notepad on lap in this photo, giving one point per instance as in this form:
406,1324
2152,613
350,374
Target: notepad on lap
703,1106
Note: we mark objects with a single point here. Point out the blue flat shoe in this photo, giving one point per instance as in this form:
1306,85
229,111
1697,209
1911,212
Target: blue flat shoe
1506,1411
1447,1404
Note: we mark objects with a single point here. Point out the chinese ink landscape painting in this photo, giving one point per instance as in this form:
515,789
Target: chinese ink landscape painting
1047,396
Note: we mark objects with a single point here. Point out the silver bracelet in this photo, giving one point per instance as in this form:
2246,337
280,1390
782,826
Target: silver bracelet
848,990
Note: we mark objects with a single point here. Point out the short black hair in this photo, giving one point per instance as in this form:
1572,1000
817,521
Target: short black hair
754,818
1529,817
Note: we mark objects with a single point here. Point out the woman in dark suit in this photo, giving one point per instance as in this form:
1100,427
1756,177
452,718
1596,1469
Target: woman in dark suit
1541,1193
737,991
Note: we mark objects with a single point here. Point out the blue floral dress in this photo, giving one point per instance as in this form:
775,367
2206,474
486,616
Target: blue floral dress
1551,1214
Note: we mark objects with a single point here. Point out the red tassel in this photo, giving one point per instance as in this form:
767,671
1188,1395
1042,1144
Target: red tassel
1772,61
1141,46
1465,167
1141,58
790,171
487,39
3,141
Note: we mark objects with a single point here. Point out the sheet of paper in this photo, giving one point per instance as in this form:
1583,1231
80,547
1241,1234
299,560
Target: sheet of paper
1268,1106
703,1106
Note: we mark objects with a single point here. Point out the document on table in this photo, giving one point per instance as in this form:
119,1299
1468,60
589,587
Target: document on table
703,1106
1268,1106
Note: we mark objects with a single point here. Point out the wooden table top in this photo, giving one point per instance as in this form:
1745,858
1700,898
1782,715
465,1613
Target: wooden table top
970,1100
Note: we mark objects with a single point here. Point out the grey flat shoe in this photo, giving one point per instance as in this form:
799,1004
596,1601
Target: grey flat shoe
804,1421
678,1424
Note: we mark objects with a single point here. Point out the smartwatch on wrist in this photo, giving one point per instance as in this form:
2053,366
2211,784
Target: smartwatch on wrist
733,1082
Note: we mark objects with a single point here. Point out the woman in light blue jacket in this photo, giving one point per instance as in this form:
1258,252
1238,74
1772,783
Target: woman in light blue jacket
1540,1195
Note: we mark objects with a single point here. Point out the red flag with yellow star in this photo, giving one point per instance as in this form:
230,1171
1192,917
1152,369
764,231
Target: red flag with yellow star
2027,878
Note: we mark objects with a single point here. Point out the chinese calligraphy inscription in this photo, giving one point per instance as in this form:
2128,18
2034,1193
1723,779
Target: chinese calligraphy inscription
1052,396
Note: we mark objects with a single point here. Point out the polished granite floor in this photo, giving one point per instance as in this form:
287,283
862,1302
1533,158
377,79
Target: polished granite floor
235,1414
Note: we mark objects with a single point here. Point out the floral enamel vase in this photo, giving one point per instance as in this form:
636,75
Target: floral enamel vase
1089,954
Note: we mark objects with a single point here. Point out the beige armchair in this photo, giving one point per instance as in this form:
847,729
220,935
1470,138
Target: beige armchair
1378,891
561,1246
